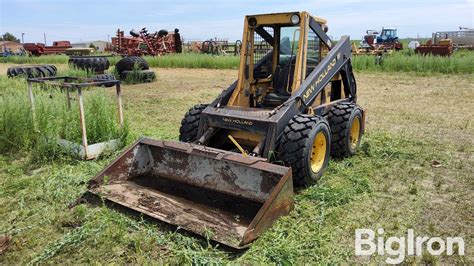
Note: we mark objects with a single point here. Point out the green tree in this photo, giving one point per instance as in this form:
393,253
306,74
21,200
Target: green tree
9,37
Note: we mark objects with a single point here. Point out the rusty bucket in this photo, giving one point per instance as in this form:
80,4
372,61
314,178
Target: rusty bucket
222,195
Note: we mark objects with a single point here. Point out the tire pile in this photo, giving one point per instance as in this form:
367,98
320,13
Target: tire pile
94,64
97,64
134,68
105,77
32,71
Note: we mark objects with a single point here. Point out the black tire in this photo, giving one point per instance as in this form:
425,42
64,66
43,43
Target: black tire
51,70
128,63
296,148
143,76
190,123
178,44
95,64
103,77
162,33
32,71
341,119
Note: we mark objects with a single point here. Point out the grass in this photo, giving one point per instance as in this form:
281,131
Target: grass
405,61
19,132
390,183
188,60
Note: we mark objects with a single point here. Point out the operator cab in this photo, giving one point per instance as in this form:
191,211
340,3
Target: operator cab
387,34
272,47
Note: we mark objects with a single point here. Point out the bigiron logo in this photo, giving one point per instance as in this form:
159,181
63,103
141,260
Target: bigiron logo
320,78
396,248
238,121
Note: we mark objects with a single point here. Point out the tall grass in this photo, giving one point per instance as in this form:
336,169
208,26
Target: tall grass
404,61
46,59
19,133
192,60
187,60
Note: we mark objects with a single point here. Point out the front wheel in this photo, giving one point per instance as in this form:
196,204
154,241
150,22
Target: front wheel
190,123
305,146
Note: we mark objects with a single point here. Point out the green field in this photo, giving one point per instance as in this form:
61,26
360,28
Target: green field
414,123
405,61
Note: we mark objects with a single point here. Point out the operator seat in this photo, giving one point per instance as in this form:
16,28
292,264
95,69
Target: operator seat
282,77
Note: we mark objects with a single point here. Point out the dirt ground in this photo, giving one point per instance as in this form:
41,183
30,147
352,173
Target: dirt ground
417,160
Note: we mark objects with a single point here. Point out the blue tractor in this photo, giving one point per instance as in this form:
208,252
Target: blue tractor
388,37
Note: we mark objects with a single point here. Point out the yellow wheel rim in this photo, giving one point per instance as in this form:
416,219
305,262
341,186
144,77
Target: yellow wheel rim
355,133
318,152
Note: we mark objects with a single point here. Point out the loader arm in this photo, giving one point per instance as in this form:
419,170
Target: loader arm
335,62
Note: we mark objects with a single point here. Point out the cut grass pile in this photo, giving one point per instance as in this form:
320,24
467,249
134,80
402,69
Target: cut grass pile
18,131
404,61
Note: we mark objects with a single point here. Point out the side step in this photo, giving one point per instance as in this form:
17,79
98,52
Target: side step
221,195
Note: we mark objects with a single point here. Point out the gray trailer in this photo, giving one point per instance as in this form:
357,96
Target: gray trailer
461,39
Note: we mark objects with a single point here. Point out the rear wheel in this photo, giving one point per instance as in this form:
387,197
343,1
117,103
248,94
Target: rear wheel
305,146
345,120
190,123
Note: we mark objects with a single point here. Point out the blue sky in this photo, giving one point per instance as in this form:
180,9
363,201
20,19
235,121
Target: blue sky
84,20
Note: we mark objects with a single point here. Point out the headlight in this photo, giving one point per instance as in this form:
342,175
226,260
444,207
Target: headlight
325,28
252,22
295,19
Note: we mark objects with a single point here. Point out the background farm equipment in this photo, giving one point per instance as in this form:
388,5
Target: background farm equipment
37,49
442,48
375,43
143,43
58,47
462,39
388,39
221,47
11,48
79,51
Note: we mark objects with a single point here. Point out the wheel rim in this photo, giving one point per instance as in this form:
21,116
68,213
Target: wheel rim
318,152
355,133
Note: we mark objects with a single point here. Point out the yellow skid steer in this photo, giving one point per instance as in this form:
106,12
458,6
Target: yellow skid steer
231,175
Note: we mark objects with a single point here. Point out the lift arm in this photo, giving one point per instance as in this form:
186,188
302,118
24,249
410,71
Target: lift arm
335,62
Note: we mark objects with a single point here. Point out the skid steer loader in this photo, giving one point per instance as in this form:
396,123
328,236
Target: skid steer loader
232,173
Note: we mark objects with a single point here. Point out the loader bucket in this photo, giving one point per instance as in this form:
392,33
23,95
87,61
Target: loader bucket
221,195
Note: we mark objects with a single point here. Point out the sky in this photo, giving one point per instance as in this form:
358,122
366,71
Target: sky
86,20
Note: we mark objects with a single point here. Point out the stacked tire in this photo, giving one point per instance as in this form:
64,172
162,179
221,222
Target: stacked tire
134,68
32,71
94,64
105,77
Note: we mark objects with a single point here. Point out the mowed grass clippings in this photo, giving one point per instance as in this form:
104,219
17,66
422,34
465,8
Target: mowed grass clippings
390,183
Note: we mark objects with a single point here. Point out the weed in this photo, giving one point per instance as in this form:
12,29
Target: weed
19,132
